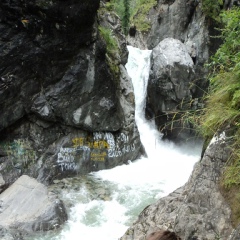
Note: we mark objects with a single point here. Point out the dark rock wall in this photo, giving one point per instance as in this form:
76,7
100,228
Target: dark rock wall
63,110
38,39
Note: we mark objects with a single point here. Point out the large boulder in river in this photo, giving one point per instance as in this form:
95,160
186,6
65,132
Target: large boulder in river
67,104
27,206
168,91
198,210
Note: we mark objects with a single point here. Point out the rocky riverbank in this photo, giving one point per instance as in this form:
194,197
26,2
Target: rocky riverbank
196,211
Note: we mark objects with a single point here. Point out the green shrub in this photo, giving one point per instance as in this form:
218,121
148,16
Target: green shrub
109,6
139,16
212,8
223,104
111,42
126,17
223,101
133,12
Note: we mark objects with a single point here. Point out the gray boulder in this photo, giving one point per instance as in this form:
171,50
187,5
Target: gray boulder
168,92
27,206
197,210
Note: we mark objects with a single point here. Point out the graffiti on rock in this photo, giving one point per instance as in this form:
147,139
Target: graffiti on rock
97,148
118,146
81,142
66,159
20,152
100,157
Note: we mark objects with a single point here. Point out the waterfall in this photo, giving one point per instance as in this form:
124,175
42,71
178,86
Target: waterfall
103,204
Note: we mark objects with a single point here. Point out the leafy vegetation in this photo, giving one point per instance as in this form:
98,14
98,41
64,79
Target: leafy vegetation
112,49
222,105
223,101
133,12
212,8
139,16
126,16
111,42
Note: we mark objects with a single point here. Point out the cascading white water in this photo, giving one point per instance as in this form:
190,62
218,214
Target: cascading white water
103,204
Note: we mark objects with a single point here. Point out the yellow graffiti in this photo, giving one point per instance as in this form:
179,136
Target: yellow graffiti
98,159
98,156
79,142
103,154
25,21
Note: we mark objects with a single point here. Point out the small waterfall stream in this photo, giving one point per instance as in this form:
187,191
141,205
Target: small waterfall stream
103,204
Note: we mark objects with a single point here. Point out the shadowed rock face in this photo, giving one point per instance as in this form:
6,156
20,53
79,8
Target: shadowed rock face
163,235
48,64
64,111
36,208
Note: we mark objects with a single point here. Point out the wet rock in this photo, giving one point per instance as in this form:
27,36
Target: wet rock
56,181
169,83
174,19
197,210
27,206
2,183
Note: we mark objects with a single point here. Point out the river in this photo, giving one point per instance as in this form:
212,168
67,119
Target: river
101,205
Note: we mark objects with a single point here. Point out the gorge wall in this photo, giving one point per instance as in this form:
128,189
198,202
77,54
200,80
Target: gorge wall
181,43
170,94
64,109
67,104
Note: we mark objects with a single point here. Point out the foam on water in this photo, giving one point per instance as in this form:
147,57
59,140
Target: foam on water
131,187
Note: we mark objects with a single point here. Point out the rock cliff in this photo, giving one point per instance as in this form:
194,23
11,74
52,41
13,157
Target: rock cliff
67,106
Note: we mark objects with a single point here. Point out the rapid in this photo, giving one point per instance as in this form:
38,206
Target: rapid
103,204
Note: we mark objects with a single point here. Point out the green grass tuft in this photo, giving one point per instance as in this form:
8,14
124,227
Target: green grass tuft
140,12
111,42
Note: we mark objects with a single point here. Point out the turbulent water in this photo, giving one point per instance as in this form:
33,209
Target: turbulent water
103,204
